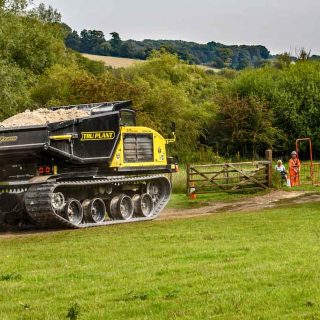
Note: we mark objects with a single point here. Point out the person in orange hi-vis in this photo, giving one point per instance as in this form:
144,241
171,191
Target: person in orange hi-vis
294,169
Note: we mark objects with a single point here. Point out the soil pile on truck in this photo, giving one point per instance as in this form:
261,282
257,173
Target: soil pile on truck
43,116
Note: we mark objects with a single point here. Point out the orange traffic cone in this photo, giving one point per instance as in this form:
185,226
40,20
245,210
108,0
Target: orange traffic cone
192,195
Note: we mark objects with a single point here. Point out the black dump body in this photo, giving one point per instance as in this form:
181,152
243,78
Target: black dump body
88,140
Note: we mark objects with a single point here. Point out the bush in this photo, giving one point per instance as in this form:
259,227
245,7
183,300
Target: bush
293,96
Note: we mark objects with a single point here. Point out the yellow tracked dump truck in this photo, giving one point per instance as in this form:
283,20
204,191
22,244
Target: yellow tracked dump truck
91,171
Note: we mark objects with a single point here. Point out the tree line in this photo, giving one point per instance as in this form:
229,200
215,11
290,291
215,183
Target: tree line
217,115
212,54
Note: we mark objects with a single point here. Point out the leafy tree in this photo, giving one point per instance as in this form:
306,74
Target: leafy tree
14,94
283,60
55,86
15,6
93,41
315,57
115,43
126,49
243,125
303,54
243,60
29,43
46,14
218,63
73,41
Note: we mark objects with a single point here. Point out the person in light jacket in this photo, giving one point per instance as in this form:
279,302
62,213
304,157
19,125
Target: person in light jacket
282,170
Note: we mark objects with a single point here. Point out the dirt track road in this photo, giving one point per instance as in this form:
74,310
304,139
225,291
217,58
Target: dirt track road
271,200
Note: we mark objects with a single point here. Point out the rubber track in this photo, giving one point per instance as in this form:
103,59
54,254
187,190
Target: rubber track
38,201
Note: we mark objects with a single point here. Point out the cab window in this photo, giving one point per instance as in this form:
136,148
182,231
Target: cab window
127,118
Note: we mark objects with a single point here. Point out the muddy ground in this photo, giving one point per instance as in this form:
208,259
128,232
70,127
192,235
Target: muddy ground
273,199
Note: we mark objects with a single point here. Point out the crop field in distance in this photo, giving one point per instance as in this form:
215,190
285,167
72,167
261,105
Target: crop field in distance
116,62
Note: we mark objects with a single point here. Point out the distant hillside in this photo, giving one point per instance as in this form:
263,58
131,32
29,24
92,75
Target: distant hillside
212,54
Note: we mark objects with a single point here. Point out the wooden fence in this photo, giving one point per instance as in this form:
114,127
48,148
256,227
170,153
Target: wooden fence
229,177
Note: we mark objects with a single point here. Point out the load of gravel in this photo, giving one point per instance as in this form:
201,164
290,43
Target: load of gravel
43,116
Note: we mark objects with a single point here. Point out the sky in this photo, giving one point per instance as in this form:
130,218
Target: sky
280,25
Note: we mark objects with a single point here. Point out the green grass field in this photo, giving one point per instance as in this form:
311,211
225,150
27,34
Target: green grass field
261,265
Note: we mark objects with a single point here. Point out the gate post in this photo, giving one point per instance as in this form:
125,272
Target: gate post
188,179
268,156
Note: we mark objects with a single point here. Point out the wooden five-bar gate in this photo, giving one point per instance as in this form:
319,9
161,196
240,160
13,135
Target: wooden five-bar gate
229,177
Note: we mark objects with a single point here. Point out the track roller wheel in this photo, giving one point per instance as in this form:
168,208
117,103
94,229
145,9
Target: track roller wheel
121,207
58,201
73,211
154,190
143,205
94,210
